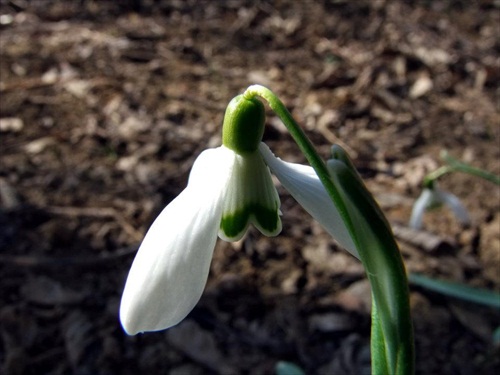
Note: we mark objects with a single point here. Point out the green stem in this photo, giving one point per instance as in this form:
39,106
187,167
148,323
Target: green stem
393,333
377,345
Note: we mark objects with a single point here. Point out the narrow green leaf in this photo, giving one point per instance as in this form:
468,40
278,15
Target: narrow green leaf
456,290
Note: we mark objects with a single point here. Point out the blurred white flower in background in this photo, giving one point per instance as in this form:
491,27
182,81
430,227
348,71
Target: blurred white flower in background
435,197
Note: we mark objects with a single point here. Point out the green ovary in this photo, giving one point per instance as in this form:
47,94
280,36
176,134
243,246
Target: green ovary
243,125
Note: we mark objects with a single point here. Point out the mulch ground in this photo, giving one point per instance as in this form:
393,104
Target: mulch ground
105,105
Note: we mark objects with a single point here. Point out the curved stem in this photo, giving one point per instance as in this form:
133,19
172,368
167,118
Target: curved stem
304,144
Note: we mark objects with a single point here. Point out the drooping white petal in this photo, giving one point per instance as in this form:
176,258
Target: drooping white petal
304,185
455,205
170,270
251,197
424,201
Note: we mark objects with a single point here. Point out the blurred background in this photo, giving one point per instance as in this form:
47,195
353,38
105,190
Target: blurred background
104,105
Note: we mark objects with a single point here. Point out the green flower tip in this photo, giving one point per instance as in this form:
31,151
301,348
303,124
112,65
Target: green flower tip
243,126
265,219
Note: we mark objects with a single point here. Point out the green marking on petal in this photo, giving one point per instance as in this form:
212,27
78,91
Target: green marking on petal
251,197
233,225
266,220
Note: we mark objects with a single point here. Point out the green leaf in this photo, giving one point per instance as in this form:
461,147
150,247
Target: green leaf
393,331
461,291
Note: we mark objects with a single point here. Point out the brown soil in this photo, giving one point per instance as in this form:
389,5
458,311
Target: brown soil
103,108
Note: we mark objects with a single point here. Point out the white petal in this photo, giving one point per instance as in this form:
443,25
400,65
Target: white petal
425,200
170,270
436,197
455,205
304,185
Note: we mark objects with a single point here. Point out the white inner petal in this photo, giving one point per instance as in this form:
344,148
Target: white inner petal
250,193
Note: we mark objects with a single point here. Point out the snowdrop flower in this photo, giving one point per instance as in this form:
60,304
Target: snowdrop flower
229,187
433,197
